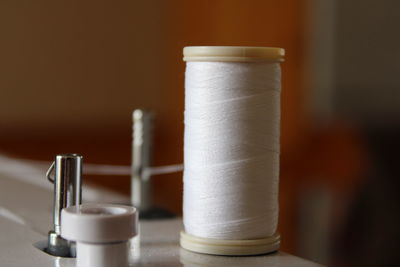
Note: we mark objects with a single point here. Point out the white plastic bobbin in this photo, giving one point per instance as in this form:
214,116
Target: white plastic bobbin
101,232
205,245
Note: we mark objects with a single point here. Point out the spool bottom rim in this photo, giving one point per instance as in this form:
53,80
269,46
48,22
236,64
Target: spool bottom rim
230,247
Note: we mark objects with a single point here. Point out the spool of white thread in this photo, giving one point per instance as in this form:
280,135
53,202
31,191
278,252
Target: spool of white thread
231,165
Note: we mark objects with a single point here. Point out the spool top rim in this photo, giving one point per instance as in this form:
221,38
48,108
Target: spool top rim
99,223
233,53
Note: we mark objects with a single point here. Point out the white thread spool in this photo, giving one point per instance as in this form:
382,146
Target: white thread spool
232,125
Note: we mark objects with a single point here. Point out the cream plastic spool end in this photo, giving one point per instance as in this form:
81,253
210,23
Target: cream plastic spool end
231,247
233,54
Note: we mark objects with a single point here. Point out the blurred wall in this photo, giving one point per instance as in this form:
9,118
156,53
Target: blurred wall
70,66
352,61
367,65
73,66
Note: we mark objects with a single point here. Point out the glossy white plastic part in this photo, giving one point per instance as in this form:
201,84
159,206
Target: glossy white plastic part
101,232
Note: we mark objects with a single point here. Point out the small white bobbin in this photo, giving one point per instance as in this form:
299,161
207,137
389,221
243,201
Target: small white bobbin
101,232
226,246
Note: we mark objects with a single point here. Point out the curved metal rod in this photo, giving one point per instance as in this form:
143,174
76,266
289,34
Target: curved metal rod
51,179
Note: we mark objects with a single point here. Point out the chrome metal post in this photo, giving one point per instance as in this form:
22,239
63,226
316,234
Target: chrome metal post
141,159
67,192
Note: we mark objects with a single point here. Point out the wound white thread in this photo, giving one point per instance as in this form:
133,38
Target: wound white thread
231,149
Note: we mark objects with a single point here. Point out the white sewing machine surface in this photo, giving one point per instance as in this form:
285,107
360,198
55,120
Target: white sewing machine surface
25,219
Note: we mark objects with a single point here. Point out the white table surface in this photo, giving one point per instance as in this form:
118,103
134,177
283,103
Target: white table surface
25,219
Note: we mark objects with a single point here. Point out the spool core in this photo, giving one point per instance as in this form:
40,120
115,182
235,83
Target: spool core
101,233
231,247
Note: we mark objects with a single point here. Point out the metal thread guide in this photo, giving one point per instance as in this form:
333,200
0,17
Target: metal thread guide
67,182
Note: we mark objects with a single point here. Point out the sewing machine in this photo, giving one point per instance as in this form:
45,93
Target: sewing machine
27,211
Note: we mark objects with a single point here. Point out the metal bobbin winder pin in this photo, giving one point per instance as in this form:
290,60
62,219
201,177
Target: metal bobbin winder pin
141,190
67,182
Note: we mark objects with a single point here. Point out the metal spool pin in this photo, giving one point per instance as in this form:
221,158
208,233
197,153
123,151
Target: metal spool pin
141,183
67,182
141,159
